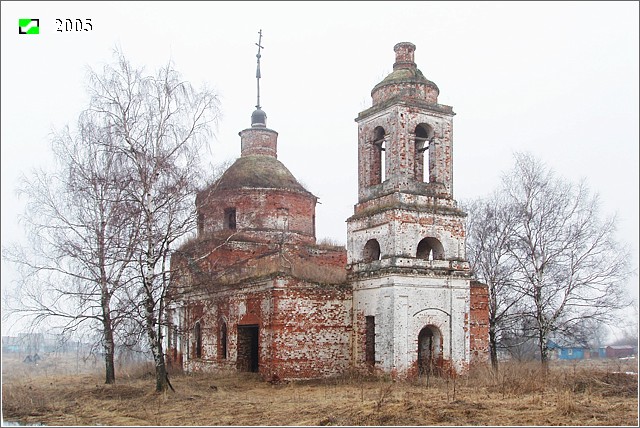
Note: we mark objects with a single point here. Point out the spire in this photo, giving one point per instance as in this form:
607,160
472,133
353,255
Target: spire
258,140
259,117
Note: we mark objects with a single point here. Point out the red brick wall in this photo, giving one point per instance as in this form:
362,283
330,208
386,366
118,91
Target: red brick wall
479,323
311,330
296,293
304,328
263,215
259,141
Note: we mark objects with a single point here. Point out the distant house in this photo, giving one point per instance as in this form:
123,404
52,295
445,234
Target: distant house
574,352
620,351
567,352
581,352
11,344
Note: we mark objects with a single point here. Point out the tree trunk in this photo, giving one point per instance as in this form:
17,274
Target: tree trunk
493,346
107,326
155,343
109,349
161,370
544,352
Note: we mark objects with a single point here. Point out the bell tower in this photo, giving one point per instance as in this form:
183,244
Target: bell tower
405,240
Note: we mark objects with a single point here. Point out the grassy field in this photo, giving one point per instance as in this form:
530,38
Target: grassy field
59,392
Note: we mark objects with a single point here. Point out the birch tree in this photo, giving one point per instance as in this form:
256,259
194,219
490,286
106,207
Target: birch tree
159,124
490,228
569,266
78,257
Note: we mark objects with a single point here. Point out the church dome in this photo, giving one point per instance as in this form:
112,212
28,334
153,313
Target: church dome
258,171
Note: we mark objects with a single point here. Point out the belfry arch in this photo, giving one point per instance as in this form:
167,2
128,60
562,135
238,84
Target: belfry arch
371,251
430,249
378,156
422,162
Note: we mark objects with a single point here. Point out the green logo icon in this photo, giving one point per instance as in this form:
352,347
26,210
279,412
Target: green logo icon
28,26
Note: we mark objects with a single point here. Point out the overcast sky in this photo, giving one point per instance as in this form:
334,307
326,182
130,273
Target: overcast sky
557,79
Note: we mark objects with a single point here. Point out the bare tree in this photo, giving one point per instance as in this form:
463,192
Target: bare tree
490,228
569,266
78,255
518,338
158,124
626,333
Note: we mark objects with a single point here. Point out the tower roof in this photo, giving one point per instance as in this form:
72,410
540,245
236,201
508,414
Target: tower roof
406,80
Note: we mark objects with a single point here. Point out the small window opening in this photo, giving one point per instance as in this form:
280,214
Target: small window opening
370,340
230,218
223,340
198,337
371,251
283,218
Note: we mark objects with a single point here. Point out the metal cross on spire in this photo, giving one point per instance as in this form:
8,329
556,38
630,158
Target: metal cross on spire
259,44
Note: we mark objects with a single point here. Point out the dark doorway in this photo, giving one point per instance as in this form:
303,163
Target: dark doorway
427,350
248,348
370,341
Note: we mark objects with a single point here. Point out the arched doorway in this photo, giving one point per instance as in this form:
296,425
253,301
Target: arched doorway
429,350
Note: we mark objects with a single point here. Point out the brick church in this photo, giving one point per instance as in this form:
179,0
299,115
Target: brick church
255,292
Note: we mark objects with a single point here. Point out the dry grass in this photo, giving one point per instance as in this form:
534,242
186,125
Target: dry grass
520,395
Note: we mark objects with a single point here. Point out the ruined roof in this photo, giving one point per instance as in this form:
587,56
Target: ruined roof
406,75
258,171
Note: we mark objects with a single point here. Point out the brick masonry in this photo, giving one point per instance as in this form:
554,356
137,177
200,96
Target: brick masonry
255,292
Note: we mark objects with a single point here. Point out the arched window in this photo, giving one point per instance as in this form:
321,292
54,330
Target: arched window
223,340
378,158
371,251
430,249
197,333
423,134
